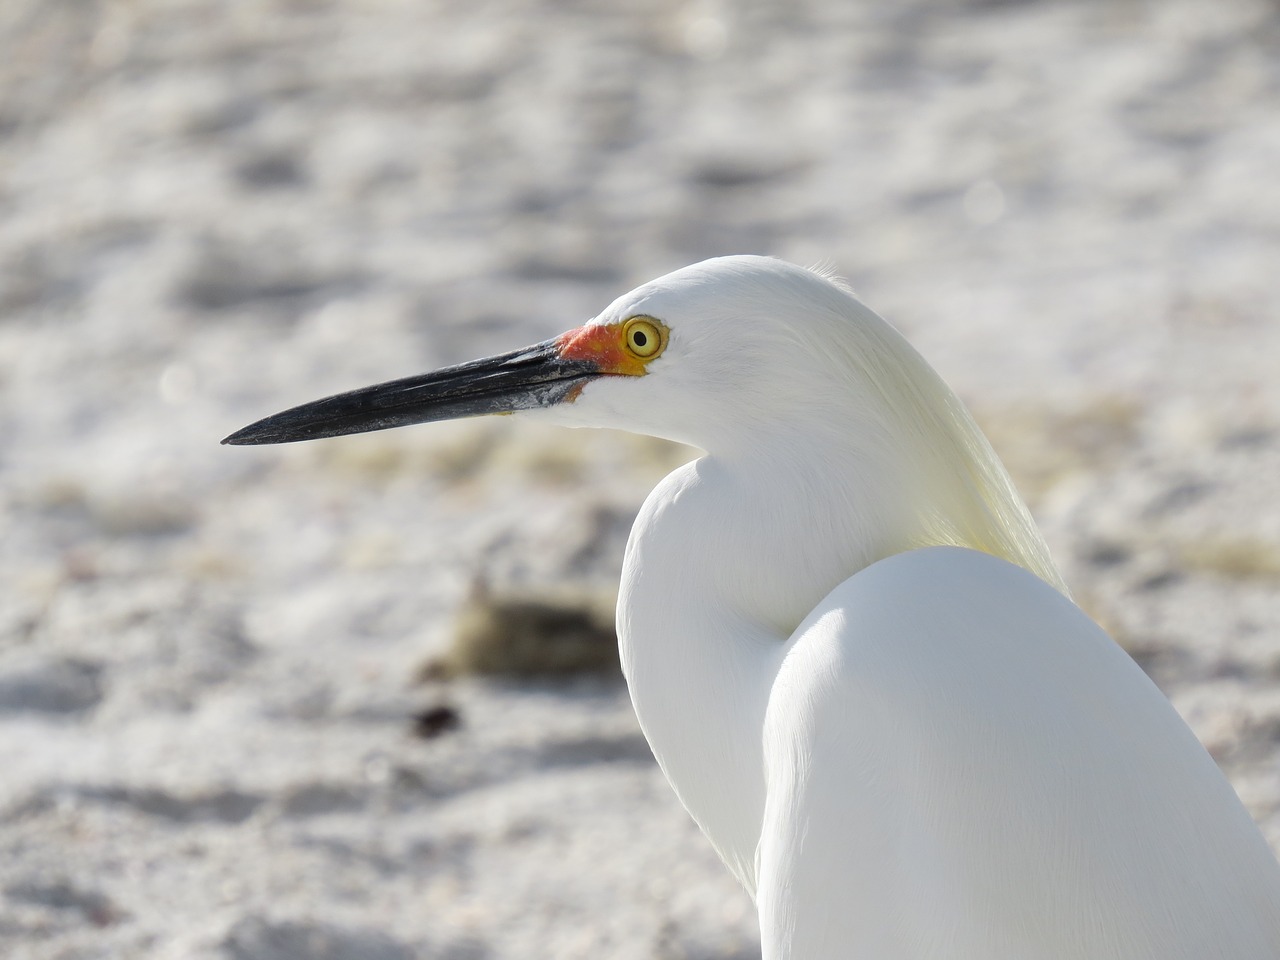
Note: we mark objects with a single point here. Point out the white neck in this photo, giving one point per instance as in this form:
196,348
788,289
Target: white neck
730,553
719,571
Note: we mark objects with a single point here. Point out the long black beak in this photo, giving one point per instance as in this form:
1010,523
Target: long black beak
537,376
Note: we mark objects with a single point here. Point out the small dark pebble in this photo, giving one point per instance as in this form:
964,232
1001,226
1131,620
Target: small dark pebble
1159,580
1107,554
434,721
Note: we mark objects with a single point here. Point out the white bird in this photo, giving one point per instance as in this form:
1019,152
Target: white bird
850,651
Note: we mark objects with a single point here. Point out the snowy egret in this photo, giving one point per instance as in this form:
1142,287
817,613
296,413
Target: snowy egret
850,651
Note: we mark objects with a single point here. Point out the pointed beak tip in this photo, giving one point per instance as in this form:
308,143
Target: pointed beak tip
241,438
256,434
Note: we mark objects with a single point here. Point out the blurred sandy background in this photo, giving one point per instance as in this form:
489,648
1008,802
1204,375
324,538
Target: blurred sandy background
213,731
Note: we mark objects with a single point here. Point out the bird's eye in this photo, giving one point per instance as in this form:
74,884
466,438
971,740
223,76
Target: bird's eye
644,337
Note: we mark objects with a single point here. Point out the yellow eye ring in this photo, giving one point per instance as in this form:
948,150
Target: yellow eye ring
644,337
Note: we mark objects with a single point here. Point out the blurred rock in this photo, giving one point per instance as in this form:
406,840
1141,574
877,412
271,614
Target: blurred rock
555,632
57,686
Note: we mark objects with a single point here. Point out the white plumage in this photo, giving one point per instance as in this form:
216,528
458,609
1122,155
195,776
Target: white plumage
851,653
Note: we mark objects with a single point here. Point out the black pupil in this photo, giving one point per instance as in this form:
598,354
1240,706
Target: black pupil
639,339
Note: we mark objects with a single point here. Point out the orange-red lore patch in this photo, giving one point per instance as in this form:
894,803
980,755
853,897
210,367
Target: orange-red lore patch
602,345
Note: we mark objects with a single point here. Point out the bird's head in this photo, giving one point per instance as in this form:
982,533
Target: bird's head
744,357
711,356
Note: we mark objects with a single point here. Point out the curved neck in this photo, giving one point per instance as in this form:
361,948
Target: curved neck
699,674
723,564
730,553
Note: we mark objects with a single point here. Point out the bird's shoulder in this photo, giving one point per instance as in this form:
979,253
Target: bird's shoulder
942,614
968,736
955,648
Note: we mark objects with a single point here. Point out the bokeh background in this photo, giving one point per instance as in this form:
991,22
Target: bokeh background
225,727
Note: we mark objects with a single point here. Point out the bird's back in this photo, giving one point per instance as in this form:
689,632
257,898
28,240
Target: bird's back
962,765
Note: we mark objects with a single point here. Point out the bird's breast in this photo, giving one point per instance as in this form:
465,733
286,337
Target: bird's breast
716,579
